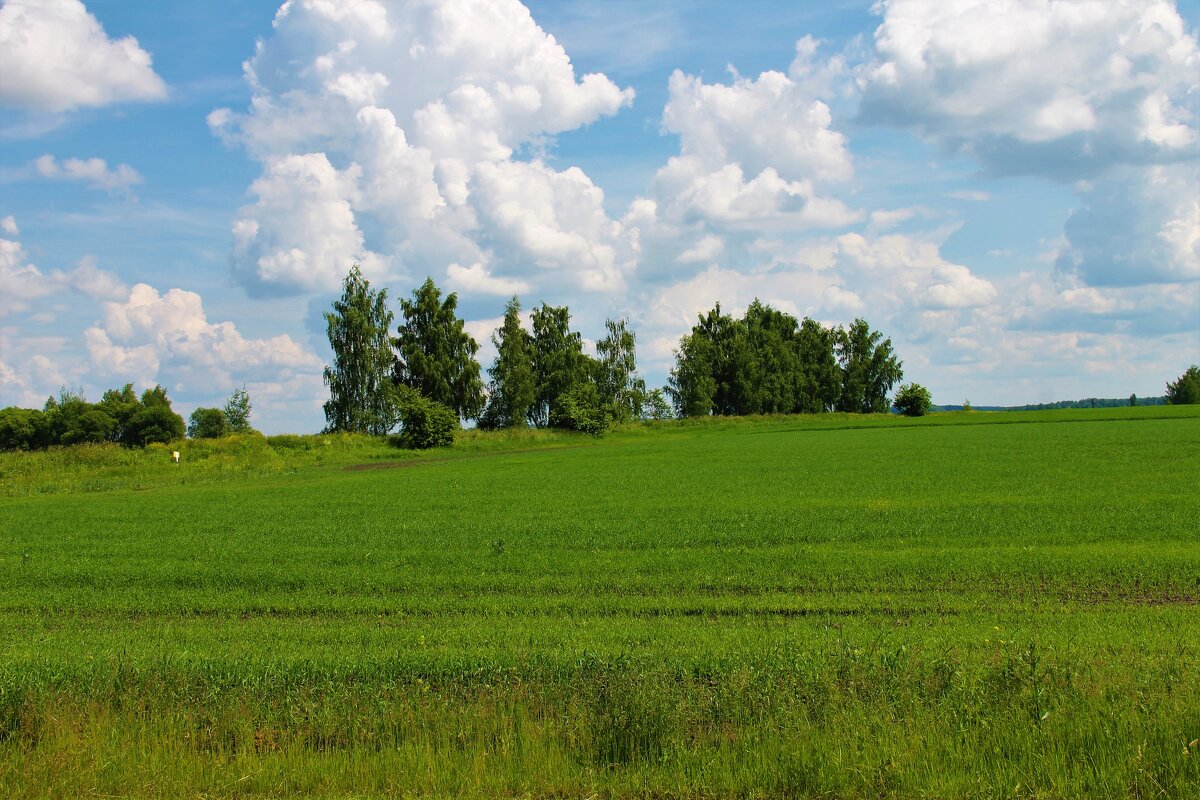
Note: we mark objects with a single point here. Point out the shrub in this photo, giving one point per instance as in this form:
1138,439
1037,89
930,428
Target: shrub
913,400
424,423
580,409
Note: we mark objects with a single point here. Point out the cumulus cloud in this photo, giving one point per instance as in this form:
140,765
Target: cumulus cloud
476,278
152,337
93,171
1139,228
422,106
973,76
23,282
55,56
300,234
755,155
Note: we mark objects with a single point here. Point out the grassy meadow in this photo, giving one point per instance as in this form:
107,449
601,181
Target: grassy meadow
965,605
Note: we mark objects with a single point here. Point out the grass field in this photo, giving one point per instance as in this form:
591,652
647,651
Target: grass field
964,605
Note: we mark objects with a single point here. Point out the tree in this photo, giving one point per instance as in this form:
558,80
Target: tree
869,369
513,388
434,353
360,394
713,368
121,405
913,400
655,405
1186,389
208,423
558,360
22,429
237,410
617,380
821,378
155,421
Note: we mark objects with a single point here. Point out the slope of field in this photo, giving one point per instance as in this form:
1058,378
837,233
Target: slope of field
958,606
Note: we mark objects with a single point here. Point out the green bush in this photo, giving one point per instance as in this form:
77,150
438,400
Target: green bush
581,409
913,400
1185,390
424,422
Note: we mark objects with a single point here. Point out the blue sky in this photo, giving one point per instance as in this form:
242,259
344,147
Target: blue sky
1009,190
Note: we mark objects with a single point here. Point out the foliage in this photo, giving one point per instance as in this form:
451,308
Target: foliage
208,423
869,369
617,380
23,429
559,363
1185,390
581,408
913,400
237,410
655,405
767,362
359,384
120,404
424,423
513,389
155,422
434,353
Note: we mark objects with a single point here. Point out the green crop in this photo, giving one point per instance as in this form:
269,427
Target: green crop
960,605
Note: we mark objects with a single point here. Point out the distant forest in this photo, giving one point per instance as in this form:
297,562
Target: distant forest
1087,402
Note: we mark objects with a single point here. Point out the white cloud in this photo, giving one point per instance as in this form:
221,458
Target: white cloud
1140,227
23,282
151,337
55,56
9,226
94,171
767,122
704,251
421,105
300,234
1051,87
476,279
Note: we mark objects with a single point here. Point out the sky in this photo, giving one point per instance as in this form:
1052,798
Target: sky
1008,189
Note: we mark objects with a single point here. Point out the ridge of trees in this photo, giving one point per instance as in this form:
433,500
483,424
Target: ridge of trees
765,362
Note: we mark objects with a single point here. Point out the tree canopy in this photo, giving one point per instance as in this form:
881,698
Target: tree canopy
434,353
512,390
360,396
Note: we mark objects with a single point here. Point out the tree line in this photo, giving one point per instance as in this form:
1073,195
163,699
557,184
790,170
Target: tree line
425,377
121,416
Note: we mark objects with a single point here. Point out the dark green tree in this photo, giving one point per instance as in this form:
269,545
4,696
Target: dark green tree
424,423
820,377
208,423
434,353
1185,389
513,387
869,369
913,400
23,429
237,410
155,421
713,368
773,376
120,404
360,391
559,363
691,385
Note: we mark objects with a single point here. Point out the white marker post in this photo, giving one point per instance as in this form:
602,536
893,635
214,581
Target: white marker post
175,456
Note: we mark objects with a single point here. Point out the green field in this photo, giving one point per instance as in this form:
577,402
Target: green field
963,605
